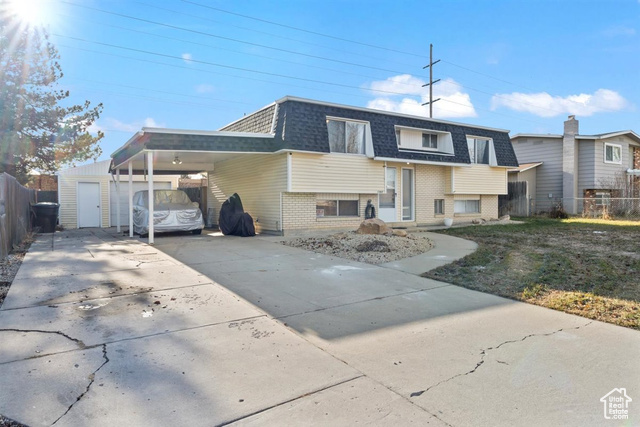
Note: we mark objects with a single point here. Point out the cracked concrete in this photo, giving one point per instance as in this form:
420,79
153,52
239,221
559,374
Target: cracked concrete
91,378
224,330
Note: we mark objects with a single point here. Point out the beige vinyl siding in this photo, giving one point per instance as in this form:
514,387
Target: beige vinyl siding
479,179
68,193
335,173
605,173
258,179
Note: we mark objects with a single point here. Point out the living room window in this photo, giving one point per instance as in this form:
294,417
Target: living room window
329,208
479,150
466,206
438,206
613,153
346,136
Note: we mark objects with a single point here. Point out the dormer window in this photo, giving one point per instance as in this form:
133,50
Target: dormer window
480,150
346,136
430,140
424,140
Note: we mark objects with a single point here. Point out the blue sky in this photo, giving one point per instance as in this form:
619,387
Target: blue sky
199,64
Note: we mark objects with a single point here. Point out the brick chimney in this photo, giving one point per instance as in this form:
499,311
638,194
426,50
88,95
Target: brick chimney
570,165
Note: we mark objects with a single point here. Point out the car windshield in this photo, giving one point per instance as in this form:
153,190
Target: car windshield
161,198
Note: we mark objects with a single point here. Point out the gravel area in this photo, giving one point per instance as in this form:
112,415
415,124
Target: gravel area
369,248
9,268
6,422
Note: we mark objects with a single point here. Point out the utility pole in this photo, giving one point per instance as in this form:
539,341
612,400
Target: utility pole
431,82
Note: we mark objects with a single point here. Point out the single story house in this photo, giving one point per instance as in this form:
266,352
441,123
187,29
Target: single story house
88,197
578,170
301,164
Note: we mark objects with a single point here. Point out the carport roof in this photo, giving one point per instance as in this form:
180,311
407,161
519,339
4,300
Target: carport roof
180,142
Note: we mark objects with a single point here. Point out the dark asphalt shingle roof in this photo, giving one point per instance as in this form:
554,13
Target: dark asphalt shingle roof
302,126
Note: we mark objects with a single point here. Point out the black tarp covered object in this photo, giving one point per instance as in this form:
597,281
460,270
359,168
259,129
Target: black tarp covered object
234,220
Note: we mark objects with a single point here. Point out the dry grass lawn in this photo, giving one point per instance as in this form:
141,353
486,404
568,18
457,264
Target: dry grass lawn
586,267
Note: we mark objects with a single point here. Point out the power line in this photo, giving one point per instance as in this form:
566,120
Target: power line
158,91
271,58
288,39
225,66
303,30
175,27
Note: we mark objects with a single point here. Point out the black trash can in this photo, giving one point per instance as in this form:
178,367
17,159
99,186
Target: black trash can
45,216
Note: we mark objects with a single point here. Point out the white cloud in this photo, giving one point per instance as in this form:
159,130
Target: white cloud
187,57
204,88
134,126
544,105
409,95
95,128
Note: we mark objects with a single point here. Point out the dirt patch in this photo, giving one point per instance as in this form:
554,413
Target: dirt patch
588,269
372,249
9,266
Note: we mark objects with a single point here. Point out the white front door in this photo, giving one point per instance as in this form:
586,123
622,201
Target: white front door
88,199
387,200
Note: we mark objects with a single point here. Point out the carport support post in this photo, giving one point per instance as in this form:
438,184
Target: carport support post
130,198
150,178
118,200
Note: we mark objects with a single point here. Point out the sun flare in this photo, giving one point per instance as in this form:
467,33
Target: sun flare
29,12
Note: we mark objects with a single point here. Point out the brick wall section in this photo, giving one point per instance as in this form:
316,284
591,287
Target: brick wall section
430,185
489,207
299,213
636,158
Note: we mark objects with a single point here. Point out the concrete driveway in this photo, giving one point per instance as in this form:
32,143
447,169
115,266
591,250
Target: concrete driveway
211,330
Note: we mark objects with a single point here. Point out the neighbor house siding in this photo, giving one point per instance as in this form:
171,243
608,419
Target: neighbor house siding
607,174
586,166
479,179
335,173
258,180
549,174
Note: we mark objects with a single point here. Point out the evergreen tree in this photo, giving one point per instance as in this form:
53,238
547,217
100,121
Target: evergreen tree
38,129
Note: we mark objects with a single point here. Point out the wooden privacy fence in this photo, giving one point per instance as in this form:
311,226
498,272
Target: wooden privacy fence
15,212
516,201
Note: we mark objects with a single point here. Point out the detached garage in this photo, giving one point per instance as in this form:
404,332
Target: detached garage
88,197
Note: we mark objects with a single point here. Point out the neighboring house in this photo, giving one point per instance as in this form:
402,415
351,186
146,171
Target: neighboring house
300,164
87,195
576,167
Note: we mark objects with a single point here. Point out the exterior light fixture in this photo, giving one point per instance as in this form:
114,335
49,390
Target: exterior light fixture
177,161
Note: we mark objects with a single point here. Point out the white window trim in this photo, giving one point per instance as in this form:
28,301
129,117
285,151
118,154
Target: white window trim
611,162
367,132
492,151
441,136
413,196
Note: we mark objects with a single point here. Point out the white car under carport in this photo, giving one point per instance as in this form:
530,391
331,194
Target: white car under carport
172,211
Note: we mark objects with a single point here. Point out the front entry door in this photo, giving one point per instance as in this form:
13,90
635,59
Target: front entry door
407,194
387,204
88,204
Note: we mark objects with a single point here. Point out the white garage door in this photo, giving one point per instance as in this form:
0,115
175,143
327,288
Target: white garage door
124,198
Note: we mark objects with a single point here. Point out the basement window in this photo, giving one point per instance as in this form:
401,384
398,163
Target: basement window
466,206
438,206
329,208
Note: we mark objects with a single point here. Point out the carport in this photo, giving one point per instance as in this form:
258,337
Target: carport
156,151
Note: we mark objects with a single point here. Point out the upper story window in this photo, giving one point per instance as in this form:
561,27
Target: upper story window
613,153
430,140
346,136
415,139
480,150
